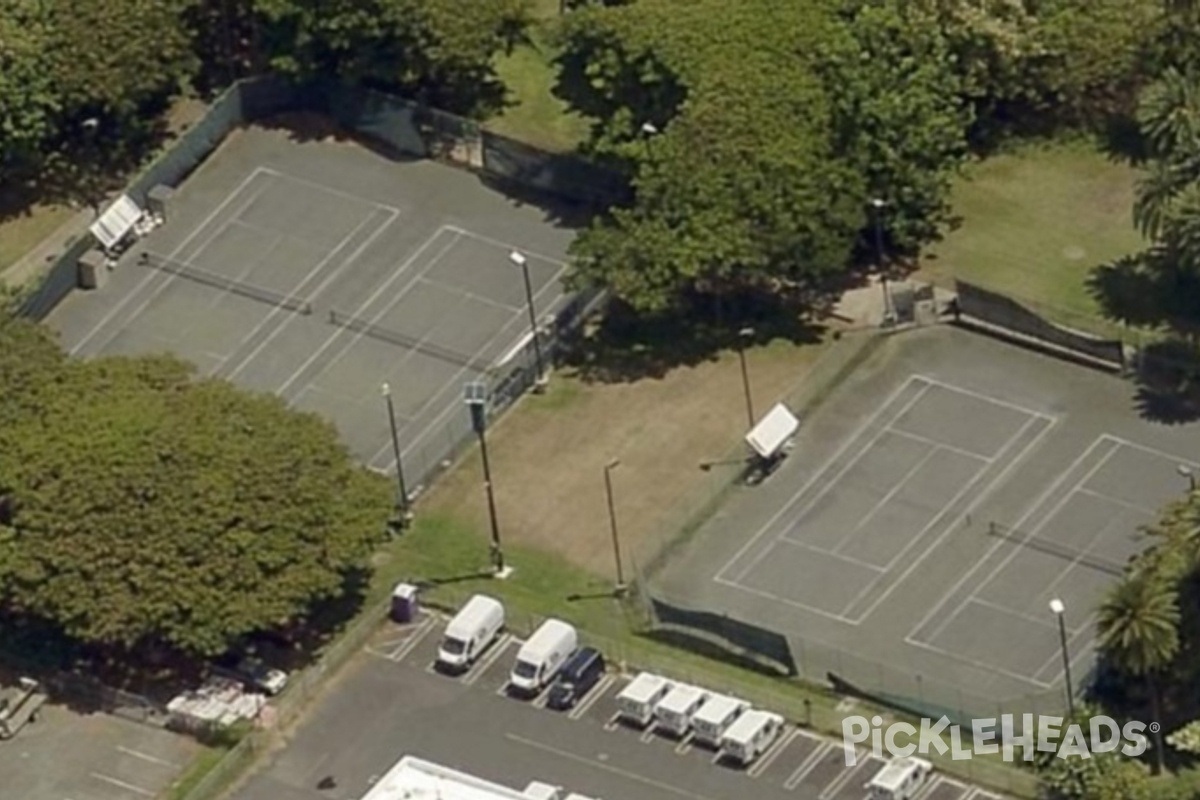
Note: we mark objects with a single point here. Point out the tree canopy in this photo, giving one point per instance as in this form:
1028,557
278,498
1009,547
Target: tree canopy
140,504
756,133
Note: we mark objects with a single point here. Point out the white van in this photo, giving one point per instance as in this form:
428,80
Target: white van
636,701
540,658
715,716
673,714
901,779
474,627
750,736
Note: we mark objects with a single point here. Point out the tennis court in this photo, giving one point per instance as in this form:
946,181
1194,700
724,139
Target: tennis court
931,511
320,272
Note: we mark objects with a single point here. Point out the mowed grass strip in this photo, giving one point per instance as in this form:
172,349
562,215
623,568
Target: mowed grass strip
1035,223
532,114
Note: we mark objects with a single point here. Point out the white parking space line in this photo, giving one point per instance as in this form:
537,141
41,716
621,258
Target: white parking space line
848,775
648,735
806,766
768,758
597,692
482,665
415,638
123,785
667,787
147,757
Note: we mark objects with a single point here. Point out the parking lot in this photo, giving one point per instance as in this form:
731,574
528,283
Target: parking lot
95,756
393,702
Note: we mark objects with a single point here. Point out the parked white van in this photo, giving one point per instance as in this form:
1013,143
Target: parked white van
901,779
715,716
540,658
673,714
636,701
750,736
474,627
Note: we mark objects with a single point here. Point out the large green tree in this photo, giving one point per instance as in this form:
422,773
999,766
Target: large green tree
755,134
1138,626
140,505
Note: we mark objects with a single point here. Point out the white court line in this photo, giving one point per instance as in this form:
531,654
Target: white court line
331,190
147,757
508,247
320,287
987,666
624,773
829,484
1153,451
996,401
122,784
848,559
841,451
472,296
1123,503
1088,646
962,581
741,587
403,268
975,502
976,600
1018,548
916,437
887,498
151,275
454,384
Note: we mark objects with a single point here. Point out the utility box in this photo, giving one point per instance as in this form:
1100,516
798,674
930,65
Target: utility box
404,603
158,201
93,270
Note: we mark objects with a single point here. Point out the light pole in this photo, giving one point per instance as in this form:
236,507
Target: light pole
519,259
612,522
742,336
1188,473
1059,610
877,206
475,395
402,490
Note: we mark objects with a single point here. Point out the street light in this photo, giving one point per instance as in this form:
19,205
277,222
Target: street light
1059,610
742,336
1188,473
519,259
878,204
402,507
612,522
475,396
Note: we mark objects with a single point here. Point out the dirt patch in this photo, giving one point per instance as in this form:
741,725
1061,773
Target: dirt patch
548,455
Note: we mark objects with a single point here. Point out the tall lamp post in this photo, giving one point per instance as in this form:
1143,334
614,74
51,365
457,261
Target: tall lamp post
402,506
519,259
742,336
1060,610
612,522
877,206
475,396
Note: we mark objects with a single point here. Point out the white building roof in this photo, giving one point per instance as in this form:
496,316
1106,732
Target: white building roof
416,779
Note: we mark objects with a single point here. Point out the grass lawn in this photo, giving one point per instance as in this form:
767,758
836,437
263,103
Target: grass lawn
1035,223
24,230
532,113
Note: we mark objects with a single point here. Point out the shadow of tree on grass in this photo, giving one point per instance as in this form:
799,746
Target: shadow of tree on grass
626,346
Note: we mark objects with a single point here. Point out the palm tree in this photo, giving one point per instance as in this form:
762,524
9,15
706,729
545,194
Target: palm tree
1139,630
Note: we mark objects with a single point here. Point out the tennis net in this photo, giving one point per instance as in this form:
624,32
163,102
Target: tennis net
1055,549
353,323
194,273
